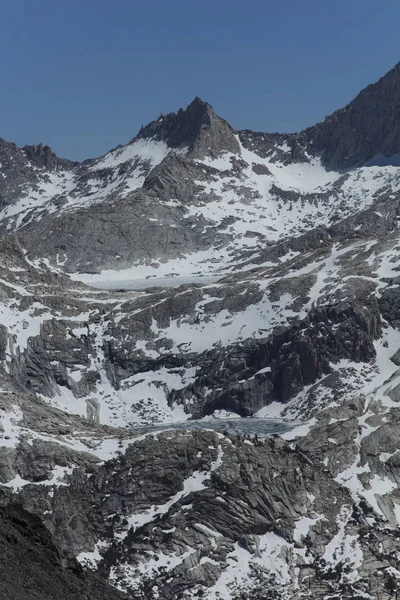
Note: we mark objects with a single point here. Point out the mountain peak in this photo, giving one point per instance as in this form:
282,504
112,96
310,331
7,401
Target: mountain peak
197,128
198,102
199,107
369,126
42,156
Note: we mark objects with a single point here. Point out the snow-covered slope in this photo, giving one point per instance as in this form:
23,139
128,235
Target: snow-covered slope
283,301
173,209
118,173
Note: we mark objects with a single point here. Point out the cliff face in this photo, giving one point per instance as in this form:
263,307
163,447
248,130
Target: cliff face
196,130
366,129
32,566
233,274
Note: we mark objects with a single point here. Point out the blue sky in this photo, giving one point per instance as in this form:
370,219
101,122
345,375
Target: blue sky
83,76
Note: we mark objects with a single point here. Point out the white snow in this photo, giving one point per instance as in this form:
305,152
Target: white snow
143,149
140,155
90,560
194,483
344,547
57,479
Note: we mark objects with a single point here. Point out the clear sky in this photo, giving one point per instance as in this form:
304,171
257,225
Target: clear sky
83,76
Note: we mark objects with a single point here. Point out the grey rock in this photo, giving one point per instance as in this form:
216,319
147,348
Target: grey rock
366,127
32,566
197,128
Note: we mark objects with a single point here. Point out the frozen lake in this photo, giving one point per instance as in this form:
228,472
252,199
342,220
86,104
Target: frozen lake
250,425
150,282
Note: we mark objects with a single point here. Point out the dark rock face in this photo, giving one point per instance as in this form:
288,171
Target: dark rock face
294,357
389,303
367,127
32,567
43,157
197,128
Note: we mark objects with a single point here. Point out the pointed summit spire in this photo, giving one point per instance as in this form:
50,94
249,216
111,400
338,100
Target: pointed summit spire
197,128
197,104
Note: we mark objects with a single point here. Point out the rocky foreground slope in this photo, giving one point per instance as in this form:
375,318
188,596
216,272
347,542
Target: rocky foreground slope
197,272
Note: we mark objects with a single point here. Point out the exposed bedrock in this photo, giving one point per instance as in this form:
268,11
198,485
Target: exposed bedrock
32,565
246,377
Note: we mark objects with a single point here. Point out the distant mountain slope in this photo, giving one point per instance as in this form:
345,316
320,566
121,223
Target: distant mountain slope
233,274
367,128
31,567
189,183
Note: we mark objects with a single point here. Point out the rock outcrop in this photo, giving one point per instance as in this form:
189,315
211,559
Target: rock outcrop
234,274
32,566
197,129
366,129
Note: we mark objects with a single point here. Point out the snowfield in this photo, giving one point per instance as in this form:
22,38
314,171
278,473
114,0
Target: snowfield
283,306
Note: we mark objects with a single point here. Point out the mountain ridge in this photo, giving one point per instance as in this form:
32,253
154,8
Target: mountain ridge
153,297
180,128
378,135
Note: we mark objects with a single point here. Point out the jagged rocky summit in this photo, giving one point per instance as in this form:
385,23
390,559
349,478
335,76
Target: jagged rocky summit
199,362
